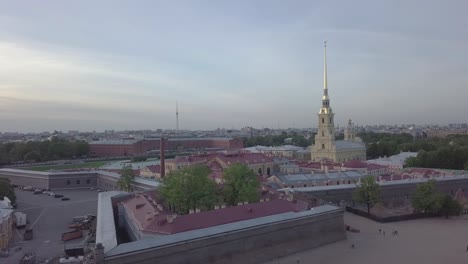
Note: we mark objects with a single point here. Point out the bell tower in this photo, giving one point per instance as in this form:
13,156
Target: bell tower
349,133
325,137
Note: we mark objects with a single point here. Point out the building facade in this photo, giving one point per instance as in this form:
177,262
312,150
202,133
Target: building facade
326,147
118,148
6,223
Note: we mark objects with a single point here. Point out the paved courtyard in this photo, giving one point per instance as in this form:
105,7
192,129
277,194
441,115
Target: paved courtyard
428,241
49,217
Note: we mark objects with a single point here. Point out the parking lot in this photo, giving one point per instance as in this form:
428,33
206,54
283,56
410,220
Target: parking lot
49,218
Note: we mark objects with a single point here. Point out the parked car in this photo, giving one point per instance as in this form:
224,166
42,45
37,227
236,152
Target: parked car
51,194
58,196
37,192
65,199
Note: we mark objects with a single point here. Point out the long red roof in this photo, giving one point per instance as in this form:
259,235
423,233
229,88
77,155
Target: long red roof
139,207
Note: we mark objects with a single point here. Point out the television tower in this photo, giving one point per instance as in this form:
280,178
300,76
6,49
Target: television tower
177,116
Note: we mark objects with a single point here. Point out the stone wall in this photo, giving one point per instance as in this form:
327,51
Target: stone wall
248,245
26,178
389,190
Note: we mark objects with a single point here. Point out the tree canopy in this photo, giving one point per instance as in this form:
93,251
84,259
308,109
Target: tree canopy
277,140
189,188
450,152
367,192
35,151
126,178
6,189
449,206
426,199
240,184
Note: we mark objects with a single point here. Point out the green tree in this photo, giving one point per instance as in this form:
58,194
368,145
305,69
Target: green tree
426,198
367,192
189,188
126,178
449,206
81,148
32,156
240,184
6,189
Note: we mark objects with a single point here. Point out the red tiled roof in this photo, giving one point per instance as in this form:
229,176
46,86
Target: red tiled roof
313,165
355,164
139,206
246,158
372,166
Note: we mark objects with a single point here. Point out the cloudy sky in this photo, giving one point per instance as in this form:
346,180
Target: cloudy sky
95,65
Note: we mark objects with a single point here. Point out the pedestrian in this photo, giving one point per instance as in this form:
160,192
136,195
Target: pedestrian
384,233
466,248
380,231
352,246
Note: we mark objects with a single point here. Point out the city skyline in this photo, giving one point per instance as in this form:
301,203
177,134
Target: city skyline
89,67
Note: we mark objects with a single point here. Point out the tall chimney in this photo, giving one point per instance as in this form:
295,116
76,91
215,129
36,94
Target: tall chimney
162,151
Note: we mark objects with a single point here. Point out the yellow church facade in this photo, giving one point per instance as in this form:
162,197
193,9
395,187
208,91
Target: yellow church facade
326,147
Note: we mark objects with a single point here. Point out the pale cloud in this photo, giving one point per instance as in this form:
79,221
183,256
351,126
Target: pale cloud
229,64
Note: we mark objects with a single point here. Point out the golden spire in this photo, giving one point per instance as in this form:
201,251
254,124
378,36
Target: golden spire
325,84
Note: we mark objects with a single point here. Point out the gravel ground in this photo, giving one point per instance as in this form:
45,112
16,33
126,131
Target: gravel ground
428,241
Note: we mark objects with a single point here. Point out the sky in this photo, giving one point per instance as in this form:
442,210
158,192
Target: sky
108,64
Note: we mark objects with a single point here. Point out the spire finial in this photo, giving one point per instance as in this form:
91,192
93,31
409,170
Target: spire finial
325,84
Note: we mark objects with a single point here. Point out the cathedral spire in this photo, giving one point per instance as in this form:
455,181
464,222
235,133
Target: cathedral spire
325,98
325,84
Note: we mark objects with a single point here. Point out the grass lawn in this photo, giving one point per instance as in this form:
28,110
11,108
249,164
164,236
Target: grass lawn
94,164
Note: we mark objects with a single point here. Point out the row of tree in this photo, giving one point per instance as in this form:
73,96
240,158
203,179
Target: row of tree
277,140
191,188
445,153
449,157
35,151
426,199
384,144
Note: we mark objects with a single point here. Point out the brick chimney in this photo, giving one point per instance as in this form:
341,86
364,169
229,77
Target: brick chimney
162,152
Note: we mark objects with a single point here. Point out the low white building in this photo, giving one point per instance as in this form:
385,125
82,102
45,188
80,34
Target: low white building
394,162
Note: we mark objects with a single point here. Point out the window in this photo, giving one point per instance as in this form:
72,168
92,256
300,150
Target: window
88,181
330,120
323,133
323,146
337,183
68,182
323,120
77,181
